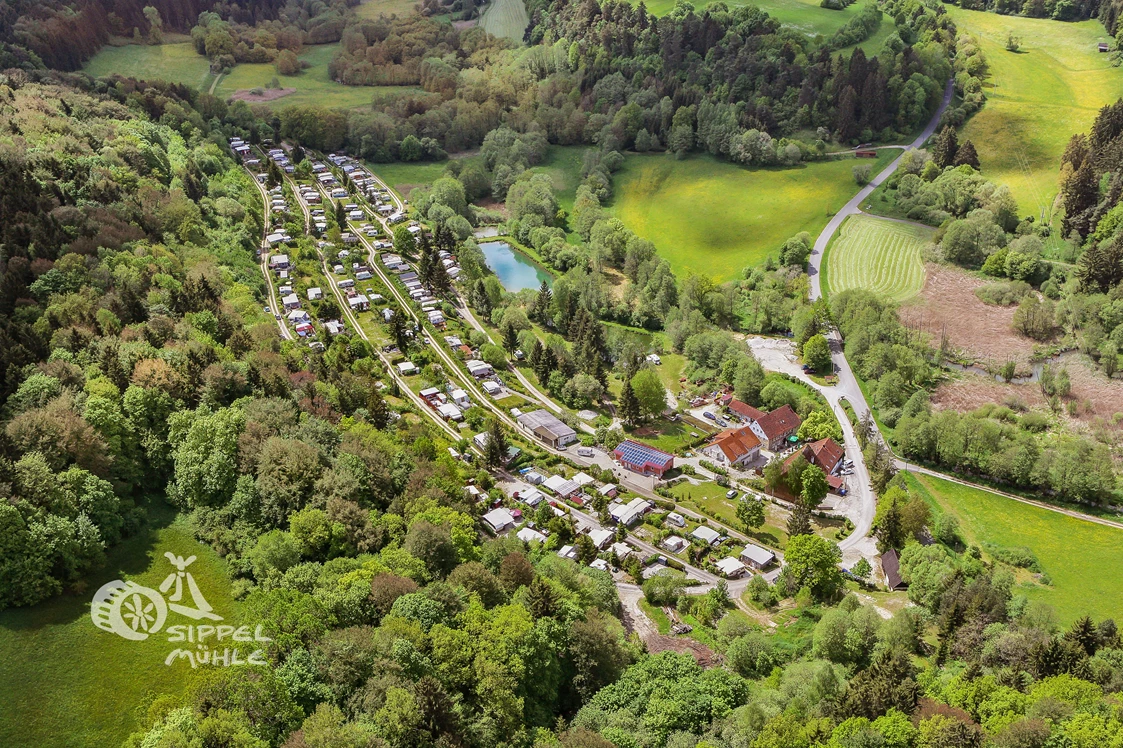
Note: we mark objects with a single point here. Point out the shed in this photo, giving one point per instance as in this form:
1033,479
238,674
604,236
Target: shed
891,565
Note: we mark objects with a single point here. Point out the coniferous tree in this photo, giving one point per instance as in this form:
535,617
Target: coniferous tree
495,454
540,599
542,303
510,338
399,331
890,533
378,409
340,215
967,156
799,523
945,147
1080,194
629,404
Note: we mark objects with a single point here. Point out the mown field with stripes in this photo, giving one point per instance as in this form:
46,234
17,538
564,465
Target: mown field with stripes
505,18
877,254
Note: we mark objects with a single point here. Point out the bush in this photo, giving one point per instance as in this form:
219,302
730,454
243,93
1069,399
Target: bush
1018,556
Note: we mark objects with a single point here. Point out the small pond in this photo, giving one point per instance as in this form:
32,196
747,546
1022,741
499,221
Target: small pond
515,270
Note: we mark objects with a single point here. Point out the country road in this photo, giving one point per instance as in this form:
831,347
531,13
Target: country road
862,515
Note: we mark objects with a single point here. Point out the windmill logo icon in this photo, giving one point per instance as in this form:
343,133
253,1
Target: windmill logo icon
133,611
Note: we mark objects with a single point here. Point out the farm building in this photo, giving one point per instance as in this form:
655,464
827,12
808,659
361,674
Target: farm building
733,447
547,427
757,557
730,567
643,459
707,535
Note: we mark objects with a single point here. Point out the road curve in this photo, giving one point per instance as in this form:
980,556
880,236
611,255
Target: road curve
847,386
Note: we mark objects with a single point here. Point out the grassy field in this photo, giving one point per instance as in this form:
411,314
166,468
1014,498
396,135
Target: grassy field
1037,98
1081,557
376,8
716,218
403,177
176,63
805,16
506,18
877,254
313,84
72,684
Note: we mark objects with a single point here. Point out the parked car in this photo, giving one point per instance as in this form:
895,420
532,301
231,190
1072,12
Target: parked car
585,451
731,493
710,415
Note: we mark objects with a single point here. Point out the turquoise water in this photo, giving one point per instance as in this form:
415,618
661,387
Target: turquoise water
514,270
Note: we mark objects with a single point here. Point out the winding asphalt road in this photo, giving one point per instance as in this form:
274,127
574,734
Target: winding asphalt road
847,388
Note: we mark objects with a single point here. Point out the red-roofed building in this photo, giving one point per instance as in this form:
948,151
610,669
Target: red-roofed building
825,454
734,446
745,410
776,427
643,459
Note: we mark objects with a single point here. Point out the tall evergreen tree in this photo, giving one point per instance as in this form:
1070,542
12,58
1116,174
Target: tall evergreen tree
340,215
510,338
629,404
967,156
542,304
799,523
378,409
495,453
945,147
890,532
399,331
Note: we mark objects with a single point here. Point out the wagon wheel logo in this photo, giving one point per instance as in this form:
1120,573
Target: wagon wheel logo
128,610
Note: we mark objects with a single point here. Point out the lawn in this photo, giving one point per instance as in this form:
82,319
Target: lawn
717,218
670,436
505,18
877,254
313,84
708,499
805,16
403,177
376,8
1081,557
72,684
175,63
1037,98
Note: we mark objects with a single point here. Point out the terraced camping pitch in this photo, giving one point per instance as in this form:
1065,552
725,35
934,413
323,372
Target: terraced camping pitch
877,254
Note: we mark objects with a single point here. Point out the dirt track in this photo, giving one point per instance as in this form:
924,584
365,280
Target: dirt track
635,620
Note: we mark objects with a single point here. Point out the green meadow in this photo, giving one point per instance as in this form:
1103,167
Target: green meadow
376,8
879,255
1037,98
716,218
1081,557
72,684
505,18
313,84
175,63
805,16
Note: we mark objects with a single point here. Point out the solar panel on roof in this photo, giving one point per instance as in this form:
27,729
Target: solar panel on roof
637,453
